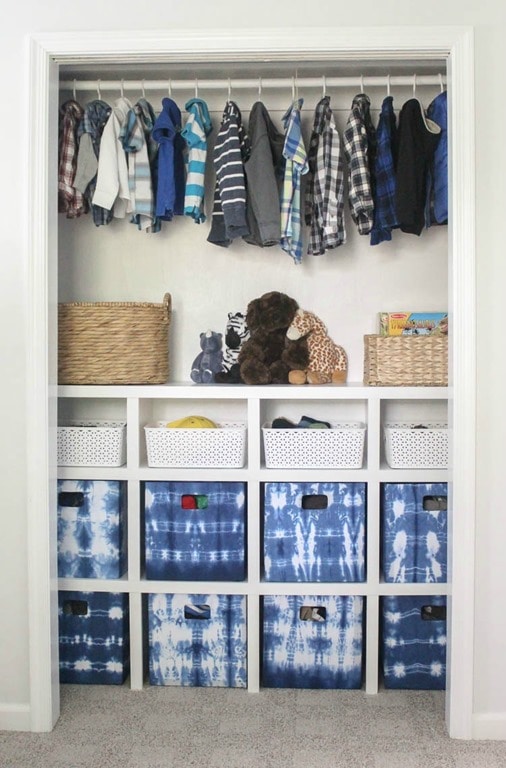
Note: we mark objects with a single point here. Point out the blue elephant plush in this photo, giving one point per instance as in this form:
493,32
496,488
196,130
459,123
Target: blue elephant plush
210,360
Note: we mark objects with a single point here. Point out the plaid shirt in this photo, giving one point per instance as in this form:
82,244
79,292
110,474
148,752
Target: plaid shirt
385,209
96,114
359,147
134,140
295,167
324,211
70,200
231,151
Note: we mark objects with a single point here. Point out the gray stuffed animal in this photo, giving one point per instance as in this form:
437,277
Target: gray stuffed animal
210,360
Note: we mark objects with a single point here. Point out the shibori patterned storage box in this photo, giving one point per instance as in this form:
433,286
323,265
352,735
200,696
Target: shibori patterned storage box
414,642
97,443
341,446
93,637
414,532
312,641
195,530
314,532
222,447
91,529
197,640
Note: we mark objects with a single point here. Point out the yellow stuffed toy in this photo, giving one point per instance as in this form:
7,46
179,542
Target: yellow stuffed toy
192,422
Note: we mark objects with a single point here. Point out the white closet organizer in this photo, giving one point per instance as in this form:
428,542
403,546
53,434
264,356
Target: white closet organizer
120,263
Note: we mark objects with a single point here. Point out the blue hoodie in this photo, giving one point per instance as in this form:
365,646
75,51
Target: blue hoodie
171,180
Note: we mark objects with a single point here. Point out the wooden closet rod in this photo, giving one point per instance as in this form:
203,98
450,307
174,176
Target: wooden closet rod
257,83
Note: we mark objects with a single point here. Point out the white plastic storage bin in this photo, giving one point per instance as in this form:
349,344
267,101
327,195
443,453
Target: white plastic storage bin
412,445
223,447
340,447
97,443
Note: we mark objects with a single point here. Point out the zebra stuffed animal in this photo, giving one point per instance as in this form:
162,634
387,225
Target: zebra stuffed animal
236,333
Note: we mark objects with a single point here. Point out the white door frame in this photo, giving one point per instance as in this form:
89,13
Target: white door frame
45,53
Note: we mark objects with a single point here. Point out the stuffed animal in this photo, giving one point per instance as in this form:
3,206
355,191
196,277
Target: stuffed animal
209,361
268,356
328,362
236,333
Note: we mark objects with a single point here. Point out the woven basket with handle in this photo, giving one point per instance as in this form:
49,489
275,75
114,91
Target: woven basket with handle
114,342
405,361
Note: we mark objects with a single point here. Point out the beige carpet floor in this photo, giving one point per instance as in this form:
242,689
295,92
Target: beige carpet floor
110,727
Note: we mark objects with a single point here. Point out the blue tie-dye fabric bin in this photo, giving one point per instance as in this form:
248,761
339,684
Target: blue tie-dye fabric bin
91,529
314,532
197,640
93,637
414,523
312,641
414,642
195,531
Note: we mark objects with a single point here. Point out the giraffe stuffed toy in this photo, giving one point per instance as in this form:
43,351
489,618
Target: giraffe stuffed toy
328,362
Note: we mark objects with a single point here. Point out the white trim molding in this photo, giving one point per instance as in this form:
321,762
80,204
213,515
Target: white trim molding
46,52
490,726
15,717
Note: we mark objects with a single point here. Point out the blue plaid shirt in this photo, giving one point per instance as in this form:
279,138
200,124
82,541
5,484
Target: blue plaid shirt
296,165
385,209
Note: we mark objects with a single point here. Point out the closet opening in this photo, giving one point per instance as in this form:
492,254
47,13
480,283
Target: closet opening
278,79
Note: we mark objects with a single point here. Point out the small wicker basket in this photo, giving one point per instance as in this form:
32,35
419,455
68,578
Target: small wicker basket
114,342
403,361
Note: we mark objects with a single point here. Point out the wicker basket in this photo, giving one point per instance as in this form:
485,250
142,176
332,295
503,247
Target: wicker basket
403,361
114,342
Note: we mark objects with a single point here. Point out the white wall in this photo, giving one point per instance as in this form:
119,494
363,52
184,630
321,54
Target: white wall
489,19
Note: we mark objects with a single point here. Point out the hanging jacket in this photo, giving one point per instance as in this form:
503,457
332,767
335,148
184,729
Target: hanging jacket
438,112
385,208
417,140
89,132
171,181
263,169
195,133
111,191
325,186
231,151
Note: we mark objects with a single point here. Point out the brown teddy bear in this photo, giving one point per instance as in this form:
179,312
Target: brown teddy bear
268,355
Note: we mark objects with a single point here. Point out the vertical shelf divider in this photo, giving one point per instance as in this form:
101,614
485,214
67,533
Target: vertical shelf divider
254,546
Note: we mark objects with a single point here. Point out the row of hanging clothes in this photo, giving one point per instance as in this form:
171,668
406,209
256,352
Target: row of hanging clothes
125,160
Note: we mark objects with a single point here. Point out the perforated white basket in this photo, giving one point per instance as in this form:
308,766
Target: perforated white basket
340,447
222,447
97,443
412,445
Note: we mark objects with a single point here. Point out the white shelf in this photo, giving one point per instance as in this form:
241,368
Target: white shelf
253,402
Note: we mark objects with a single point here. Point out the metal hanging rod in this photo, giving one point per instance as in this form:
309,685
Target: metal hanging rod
257,83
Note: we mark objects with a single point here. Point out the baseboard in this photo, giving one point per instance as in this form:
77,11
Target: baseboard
491,725
15,717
